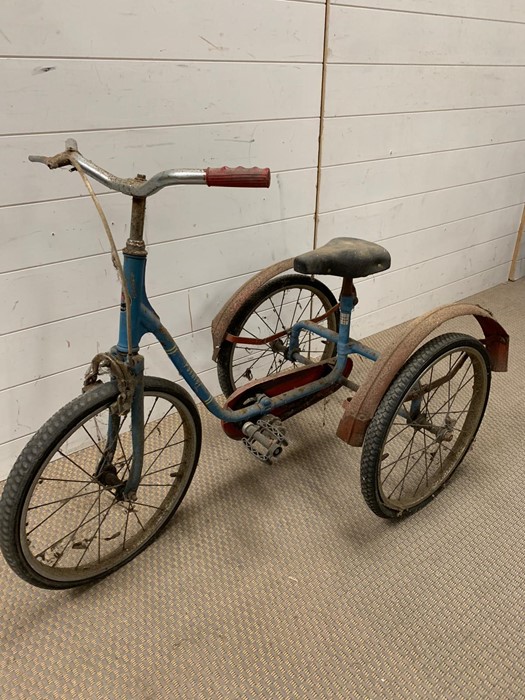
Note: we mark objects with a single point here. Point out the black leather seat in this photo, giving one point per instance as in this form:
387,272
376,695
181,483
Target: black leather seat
344,257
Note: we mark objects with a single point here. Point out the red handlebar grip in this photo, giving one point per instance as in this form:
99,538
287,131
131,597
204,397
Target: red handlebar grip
238,177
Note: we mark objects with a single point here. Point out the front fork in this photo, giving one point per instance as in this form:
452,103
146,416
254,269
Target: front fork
106,472
137,431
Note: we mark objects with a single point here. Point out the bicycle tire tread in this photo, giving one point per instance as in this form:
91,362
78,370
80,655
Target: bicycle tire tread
374,436
21,476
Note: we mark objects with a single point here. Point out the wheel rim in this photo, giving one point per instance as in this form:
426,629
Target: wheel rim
72,527
276,312
422,449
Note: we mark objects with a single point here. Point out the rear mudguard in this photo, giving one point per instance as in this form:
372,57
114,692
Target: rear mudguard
360,408
221,322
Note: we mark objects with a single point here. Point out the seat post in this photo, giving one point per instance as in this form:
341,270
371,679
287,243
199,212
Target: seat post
348,289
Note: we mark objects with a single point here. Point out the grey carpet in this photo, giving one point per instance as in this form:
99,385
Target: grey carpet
278,582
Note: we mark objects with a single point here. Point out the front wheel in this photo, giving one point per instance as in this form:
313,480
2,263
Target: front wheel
424,425
63,521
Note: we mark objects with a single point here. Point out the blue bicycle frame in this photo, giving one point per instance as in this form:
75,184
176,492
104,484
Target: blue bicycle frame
144,320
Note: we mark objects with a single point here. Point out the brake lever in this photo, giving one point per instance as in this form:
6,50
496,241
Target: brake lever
61,159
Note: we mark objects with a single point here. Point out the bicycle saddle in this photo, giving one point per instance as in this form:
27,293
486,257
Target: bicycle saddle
344,257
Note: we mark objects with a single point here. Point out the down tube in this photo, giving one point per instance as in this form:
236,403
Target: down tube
152,321
261,407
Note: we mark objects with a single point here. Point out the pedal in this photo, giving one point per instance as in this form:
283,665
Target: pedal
265,439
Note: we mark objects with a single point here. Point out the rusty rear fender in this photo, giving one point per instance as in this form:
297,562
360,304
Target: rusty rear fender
361,407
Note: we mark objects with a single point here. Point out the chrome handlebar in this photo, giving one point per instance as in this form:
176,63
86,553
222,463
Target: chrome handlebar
135,187
140,187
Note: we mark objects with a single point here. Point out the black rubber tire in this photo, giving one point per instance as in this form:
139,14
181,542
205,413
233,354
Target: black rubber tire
271,288
41,448
379,428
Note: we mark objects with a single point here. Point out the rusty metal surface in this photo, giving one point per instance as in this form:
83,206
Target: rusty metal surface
247,340
221,322
135,243
361,407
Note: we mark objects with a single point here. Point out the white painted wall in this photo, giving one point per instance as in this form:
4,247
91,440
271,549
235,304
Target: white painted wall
423,148
144,87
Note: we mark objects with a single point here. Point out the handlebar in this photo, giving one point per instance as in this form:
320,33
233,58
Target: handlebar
140,187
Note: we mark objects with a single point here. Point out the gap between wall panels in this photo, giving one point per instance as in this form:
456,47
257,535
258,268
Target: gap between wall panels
321,119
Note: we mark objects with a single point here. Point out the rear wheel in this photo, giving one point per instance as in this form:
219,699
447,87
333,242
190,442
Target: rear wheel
273,309
424,425
63,521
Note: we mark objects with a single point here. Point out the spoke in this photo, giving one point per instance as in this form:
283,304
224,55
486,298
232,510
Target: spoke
95,534
430,395
123,454
157,471
256,355
155,427
281,363
74,530
308,305
462,386
98,530
61,500
165,447
141,503
151,410
69,481
272,330
449,371
282,302
274,362
440,459
425,473
159,422
139,521
180,442
126,528
56,511
396,461
295,309
77,529
426,461
75,464
278,312
405,427
249,369
448,413
452,371
401,455
267,351
92,439
456,394
408,461
402,482
243,331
